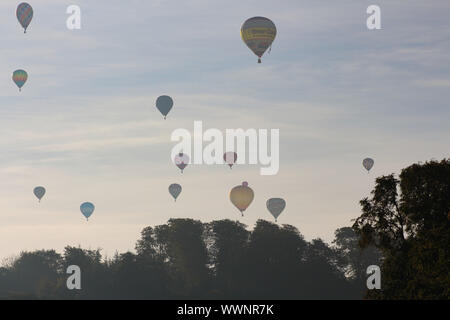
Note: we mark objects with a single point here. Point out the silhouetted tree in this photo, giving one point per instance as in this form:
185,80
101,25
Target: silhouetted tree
354,260
407,218
180,245
227,243
35,274
321,273
272,262
96,278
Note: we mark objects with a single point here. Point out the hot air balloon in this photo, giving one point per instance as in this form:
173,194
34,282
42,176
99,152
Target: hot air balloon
20,77
39,192
275,206
24,14
175,190
230,158
368,164
181,160
164,104
86,209
258,34
241,196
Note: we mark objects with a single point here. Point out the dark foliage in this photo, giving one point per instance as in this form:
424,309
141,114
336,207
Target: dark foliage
187,259
408,219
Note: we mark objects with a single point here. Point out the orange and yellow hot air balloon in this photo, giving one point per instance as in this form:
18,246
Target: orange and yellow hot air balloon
241,196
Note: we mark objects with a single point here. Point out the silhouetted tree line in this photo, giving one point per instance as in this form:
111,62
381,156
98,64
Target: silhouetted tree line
404,228
188,259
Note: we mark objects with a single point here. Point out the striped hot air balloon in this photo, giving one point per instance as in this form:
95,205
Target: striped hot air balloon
258,34
20,77
24,14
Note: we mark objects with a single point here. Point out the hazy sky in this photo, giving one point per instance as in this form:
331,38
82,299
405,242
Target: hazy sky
85,125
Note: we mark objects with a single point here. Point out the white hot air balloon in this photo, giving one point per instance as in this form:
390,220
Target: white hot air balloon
230,158
181,161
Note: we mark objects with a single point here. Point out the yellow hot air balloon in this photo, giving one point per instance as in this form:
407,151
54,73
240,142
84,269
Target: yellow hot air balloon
258,34
241,196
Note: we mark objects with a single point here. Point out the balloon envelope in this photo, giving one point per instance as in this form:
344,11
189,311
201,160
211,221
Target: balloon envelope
175,190
87,209
241,196
164,104
39,192
368,163
181,160
275,206
258,34
230,158
20,77
24,14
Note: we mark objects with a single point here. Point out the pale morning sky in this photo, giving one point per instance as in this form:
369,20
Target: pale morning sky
85,125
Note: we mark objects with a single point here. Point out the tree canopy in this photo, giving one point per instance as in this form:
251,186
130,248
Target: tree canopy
408,219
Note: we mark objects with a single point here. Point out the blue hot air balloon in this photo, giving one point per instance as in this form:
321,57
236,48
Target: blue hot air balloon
368,164
86,209
275,206
175,190
39,192
164,104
